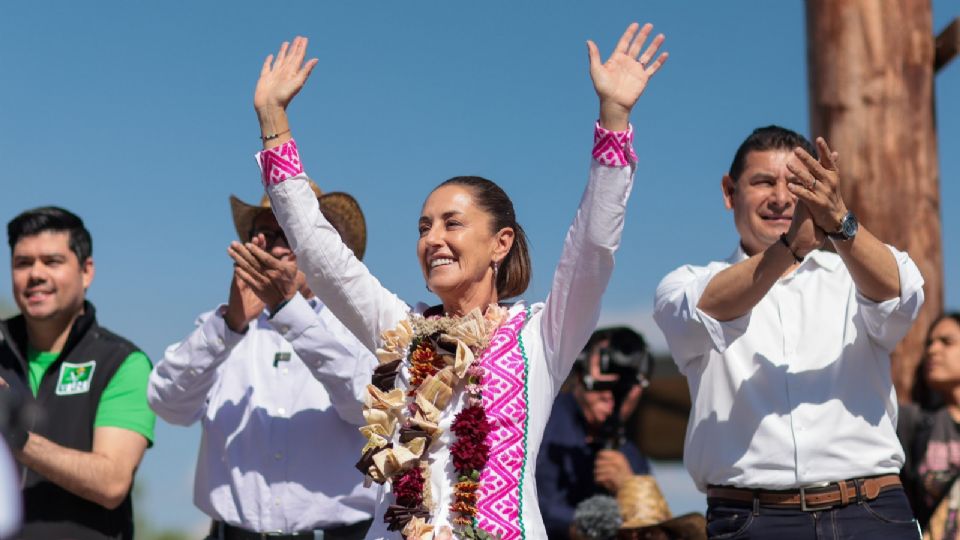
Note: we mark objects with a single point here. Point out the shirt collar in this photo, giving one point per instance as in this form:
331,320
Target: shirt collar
827,260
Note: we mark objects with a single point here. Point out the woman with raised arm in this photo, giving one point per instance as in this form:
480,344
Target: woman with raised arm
456,409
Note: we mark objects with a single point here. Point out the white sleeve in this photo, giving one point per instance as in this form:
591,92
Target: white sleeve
334,356
572,308
888,321
179,384
690,332
340,280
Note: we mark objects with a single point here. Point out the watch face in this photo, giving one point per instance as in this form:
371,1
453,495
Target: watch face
850,225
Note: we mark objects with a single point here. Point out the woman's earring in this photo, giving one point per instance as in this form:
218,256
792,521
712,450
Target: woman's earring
496,268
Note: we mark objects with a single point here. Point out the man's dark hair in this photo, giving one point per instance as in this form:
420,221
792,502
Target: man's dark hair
55,219
768,138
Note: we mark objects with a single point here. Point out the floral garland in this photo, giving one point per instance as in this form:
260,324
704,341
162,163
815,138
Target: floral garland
442,352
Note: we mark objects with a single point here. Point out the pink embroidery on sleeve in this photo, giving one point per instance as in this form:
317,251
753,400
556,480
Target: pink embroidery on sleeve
613,148
280,163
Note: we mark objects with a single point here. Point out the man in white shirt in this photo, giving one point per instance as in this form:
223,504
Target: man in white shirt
786,348
279,419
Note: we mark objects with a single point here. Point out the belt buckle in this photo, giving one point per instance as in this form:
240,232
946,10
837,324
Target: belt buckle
803,498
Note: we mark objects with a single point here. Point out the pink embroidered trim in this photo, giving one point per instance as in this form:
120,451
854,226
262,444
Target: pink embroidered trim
498,510
278,164
613,148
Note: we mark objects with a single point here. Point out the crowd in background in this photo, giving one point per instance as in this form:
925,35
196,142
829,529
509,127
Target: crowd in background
481,418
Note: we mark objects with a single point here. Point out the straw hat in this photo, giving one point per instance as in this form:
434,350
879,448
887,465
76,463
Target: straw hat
646,515
340,209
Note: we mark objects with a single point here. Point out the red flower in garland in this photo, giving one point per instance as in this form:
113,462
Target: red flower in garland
471,424
469,456
408,488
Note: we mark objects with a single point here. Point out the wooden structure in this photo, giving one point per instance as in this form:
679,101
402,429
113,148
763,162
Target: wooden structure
871,69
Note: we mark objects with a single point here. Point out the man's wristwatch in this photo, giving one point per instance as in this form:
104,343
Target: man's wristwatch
848,228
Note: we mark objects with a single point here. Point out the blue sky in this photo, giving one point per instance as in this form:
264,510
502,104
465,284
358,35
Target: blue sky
138,117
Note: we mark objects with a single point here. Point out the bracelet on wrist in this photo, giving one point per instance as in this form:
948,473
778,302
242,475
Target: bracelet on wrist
272,136
277,309
786,244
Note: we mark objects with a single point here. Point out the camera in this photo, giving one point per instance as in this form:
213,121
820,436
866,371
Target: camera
624,361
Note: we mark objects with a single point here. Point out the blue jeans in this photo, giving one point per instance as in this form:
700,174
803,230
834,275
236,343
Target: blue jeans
888,517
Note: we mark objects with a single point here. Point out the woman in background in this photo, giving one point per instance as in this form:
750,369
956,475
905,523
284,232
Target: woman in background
931,439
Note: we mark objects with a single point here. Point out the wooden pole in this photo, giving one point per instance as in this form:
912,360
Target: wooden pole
871,66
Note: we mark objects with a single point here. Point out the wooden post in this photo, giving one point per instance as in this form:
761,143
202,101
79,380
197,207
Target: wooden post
871,68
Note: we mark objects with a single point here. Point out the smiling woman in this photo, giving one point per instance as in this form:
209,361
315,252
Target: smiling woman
456,409
470,242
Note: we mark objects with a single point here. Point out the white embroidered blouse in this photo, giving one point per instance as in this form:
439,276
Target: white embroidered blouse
536,346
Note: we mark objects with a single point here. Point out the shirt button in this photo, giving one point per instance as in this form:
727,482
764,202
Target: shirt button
277,456
281,410
284,329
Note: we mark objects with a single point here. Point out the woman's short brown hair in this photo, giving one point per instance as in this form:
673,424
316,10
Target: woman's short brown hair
513,275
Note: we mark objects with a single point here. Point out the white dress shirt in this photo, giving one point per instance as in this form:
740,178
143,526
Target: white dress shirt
551,339
275,455
798,390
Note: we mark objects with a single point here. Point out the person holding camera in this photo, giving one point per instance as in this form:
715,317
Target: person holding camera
585,451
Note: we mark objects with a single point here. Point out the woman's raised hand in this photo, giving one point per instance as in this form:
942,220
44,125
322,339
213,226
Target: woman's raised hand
282,77
621,80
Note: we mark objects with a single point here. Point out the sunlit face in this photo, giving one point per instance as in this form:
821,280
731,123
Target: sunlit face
761,203
457,246
49,282
942,362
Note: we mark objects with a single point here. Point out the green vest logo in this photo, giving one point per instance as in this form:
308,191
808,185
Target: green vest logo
75,378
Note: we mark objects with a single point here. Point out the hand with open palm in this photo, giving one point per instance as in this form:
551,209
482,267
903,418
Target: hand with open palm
621,80
281,78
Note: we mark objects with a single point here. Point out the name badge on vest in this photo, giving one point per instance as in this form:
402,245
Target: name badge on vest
75,378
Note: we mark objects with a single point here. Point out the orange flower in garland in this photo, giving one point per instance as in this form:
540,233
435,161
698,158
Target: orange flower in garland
465,501
424,362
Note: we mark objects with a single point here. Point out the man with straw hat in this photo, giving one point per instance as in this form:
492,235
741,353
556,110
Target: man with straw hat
278,448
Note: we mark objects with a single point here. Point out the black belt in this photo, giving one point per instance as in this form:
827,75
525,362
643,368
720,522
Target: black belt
224,531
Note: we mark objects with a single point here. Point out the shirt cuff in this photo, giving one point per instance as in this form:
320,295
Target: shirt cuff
613,148
294,318
217,335
280,163
889,320
722,333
